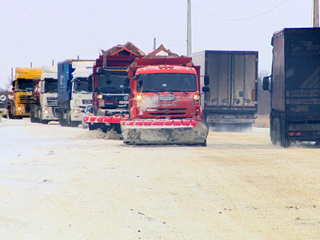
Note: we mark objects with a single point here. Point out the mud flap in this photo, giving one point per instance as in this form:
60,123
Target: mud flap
166,135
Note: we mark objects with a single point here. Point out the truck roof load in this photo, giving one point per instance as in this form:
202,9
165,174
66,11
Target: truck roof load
130,47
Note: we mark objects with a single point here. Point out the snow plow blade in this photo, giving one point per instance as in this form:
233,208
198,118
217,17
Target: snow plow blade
164,132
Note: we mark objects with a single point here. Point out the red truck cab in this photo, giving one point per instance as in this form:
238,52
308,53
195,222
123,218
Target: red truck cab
165,91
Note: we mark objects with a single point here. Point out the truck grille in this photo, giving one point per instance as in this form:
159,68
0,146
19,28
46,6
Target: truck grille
26,99
52,101
167,112
86,101
115,98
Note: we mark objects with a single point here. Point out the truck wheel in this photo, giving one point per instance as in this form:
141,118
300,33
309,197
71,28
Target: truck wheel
246,127
273,131
39,116
91,127
62,122
32,118
74,123
284,140
11,116
68,120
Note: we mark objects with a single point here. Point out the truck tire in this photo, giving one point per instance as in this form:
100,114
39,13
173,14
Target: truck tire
284,140
63,122
39,116
246,127
74,123
91,126
44,121
273,131
10,114
32,119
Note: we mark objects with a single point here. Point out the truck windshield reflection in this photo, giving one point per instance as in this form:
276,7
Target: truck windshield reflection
112,83
167,82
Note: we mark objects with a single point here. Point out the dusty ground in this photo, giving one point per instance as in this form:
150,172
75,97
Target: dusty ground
66,183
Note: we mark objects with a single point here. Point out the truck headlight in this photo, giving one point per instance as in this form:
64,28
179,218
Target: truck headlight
76,111
196,97
138,98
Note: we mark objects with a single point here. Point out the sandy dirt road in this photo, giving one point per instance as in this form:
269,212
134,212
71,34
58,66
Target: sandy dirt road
66,183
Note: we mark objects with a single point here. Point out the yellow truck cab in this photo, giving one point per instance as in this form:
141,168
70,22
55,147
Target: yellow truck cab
20,93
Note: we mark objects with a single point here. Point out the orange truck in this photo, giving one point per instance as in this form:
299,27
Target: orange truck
20,92
164,103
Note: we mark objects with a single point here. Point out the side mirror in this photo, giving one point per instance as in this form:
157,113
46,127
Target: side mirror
206,80
205,89
136,77
139,84
265,83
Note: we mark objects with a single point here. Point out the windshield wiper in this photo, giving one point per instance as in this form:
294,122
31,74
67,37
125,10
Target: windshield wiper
109,89
175,90
158,90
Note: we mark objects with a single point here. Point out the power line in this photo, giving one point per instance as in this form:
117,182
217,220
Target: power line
240,19
177,43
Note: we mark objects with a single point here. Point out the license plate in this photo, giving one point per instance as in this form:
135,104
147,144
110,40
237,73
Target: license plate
166,98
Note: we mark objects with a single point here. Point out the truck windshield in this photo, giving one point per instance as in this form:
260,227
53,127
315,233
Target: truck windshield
81,85
167,82
114,83
51,85
303,58
24,84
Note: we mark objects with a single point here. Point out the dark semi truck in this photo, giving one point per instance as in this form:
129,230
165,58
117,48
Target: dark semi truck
295,86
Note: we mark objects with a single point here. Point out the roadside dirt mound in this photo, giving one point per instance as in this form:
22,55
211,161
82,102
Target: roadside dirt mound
98,134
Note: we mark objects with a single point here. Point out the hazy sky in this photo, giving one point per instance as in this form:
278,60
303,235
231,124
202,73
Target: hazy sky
40,31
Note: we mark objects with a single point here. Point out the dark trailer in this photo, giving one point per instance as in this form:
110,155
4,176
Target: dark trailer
295,86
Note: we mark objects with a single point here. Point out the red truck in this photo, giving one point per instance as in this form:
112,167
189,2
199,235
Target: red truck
110,87
164,102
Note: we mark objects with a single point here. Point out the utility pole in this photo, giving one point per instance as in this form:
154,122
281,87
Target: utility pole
189,45
315,13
